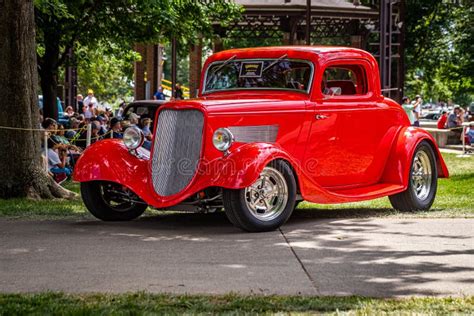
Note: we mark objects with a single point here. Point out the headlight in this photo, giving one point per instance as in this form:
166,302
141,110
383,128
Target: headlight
133,137
222,139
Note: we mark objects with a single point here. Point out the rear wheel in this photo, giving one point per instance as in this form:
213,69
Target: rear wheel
422,184
267,203
110,201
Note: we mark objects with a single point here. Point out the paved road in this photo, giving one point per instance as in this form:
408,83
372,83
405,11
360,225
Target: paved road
203,253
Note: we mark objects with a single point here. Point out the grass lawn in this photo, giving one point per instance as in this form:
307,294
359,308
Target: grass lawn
143,303
454,199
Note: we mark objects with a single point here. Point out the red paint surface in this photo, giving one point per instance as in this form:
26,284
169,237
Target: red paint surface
361,150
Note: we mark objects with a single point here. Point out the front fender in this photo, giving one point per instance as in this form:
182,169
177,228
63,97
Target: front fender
109,160
243,166
398,165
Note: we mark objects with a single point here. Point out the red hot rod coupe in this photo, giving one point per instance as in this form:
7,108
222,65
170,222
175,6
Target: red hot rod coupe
271,127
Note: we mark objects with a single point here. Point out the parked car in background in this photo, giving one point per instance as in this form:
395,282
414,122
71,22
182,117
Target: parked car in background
143,109
432,116
61,118
271,127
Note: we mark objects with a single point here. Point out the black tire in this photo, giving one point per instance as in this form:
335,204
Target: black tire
240,214
409,200
98,200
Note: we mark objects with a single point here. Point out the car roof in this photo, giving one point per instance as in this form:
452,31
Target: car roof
272,51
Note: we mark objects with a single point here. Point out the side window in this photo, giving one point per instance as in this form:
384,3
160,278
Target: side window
344,80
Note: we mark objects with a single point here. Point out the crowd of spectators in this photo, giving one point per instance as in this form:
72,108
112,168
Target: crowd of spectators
455,121
451,116
66,142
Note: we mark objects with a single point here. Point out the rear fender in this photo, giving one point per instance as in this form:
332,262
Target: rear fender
397,169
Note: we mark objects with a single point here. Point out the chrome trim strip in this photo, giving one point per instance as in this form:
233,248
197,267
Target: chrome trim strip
255,134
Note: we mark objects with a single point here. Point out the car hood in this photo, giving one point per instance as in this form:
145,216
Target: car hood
232,103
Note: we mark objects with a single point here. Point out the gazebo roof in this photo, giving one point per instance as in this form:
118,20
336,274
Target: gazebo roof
329,8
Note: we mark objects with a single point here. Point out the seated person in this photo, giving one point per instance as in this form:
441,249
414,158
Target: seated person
454,120
82,140
145,123
49,124
57,158
134,119
442,120
59,135
69,112
470,134
74,127
116,128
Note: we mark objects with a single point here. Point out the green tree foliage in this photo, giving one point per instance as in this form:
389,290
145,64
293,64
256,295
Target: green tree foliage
64,24
440,49
108,73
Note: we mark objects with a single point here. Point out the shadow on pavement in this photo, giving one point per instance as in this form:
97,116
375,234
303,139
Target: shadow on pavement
343,252
372,258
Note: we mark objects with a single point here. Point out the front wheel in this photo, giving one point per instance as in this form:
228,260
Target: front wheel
267,203
110,201
422,184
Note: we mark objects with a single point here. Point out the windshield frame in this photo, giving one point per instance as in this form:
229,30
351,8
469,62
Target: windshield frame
306,91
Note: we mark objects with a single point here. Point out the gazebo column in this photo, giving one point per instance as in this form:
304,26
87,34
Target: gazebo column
357,41
217,45
151,84
140,73
195,67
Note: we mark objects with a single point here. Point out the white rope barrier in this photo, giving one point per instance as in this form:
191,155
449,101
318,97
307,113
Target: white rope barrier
38,129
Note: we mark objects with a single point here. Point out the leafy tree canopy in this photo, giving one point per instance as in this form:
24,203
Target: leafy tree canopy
64,24
440,50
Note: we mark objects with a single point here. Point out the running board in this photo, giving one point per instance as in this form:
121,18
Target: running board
369,192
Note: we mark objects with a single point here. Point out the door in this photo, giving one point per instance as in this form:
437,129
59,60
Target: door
350,133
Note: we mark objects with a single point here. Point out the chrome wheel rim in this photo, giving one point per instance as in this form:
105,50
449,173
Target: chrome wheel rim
421,175
267,197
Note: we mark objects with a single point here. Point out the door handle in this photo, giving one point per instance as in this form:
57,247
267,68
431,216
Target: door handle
321,116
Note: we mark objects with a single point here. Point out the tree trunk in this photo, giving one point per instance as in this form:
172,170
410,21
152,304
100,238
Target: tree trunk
49,86
21,170
48,72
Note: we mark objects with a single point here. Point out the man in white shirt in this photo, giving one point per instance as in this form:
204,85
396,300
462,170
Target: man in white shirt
90,98
417,110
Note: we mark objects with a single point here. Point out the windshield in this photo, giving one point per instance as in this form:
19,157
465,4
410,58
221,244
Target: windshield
278,73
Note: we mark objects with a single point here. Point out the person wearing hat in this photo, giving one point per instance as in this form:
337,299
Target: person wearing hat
103,120
90,98
82,140
133,118
116,128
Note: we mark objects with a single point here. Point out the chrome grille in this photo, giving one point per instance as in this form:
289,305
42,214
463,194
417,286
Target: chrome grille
177,149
